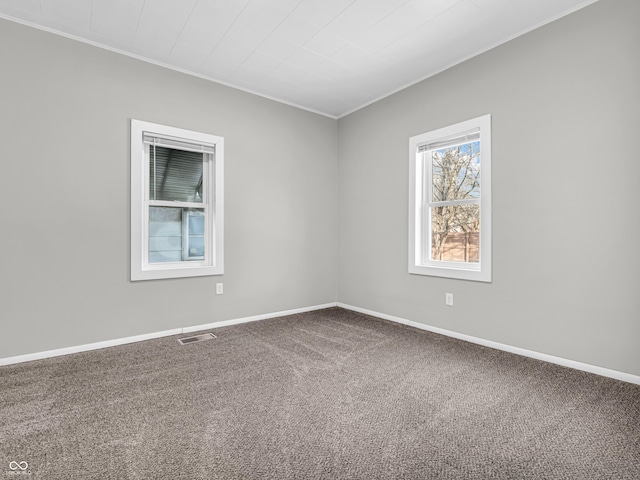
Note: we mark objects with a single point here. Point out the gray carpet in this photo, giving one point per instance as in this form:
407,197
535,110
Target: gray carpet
330,394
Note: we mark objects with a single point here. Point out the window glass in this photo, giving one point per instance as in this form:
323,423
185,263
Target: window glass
455,172
175,175
455,233
176,234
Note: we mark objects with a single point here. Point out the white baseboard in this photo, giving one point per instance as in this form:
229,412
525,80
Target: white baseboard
605,372
86,347
148,336
226,323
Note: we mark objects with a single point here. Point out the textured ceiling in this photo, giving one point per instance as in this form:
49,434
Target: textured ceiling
327,56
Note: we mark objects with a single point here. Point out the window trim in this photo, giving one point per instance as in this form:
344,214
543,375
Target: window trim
212,203
465,271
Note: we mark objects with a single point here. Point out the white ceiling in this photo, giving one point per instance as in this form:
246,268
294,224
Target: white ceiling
327,56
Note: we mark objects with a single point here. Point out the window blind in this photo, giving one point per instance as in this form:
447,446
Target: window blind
468,137
169,142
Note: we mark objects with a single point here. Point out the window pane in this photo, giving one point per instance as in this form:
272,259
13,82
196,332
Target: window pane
455,172
455,233
175,175
169,240
165,234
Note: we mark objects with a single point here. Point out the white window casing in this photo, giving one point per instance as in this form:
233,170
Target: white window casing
423,153
184,259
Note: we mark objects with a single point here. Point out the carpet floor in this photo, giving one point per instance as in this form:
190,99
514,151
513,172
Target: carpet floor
330,394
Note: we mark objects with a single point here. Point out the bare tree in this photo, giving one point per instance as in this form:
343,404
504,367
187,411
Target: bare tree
456,177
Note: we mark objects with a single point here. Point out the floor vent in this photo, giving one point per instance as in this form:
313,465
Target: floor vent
197,338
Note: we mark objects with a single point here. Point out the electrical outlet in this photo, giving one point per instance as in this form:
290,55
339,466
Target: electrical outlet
448,299
219,289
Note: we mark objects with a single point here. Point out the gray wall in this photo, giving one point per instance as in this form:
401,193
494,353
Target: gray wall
566,193
64,186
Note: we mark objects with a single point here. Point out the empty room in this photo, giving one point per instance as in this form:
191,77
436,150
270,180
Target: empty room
320,239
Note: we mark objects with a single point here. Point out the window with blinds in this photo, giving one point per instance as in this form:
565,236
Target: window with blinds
176,202
450,224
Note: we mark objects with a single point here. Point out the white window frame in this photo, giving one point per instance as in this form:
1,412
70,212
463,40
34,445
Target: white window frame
212,202
420,262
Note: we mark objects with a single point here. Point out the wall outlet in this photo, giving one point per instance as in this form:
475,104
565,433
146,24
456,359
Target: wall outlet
448,299
219,289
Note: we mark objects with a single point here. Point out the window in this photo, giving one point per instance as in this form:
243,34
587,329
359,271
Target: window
176,202
450,201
